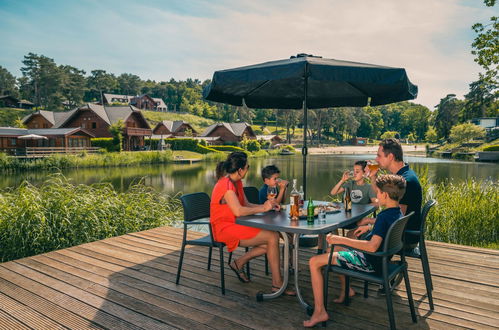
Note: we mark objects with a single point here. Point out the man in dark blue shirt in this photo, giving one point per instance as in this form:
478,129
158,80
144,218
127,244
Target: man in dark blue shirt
390,157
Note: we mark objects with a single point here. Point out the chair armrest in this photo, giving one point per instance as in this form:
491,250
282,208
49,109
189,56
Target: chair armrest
413,232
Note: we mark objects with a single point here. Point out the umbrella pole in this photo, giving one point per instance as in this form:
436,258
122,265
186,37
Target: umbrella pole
304,150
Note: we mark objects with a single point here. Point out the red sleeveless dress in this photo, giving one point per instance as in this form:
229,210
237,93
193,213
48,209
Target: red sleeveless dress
223,221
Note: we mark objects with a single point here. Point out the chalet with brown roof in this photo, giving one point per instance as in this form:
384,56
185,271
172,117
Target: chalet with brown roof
229,132
12,102
11,139
144,101
174,128
96,119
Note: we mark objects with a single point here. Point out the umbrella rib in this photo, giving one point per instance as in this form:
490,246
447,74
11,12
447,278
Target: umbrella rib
257,87
359,89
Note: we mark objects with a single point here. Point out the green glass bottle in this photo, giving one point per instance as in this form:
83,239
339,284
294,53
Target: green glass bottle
310,211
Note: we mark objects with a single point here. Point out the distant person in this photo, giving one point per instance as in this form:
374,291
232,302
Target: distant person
389,190
270,177
228,201
390,157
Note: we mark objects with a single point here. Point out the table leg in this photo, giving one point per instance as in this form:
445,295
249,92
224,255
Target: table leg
265,296
296,242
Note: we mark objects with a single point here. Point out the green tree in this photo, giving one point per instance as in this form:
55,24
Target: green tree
389,134
43,81
116,131
74,84
414,120
19,123
466,132
431,135
99,82
486,46
481,100
129,84
447,115
8,83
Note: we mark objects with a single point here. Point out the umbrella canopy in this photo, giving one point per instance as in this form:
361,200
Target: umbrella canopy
32,137
306,81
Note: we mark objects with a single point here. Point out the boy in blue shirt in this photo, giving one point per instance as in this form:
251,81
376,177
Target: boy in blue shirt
270,176
389,190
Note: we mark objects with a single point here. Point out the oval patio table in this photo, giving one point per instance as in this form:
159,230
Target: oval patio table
281,222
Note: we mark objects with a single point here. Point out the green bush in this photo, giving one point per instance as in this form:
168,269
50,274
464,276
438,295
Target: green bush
492,148
59,214
250,145
104,143
227,148
189,145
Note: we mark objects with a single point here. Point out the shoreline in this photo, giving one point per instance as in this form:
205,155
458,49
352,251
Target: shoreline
418,150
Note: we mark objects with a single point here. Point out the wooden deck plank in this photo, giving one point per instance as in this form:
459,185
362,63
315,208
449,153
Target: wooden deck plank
129,282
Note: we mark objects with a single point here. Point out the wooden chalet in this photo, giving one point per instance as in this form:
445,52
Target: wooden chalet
110,99
96,119
174,128
229,132
160,104
12,102
12,143
144,101
273,139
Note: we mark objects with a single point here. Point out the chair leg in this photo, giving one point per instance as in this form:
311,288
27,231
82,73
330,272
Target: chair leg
222,275
230,258
389,303
347,291
427,277
326,285
266,265
366,289
180,260
409,295
209,258
248,265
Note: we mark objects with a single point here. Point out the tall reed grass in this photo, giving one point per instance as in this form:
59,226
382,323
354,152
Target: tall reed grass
59,214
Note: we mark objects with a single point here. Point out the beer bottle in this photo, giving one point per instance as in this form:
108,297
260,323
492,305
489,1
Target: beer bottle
302,196
310,211
294,202
347,201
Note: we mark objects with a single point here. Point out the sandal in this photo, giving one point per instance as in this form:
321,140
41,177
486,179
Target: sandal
239,273
286,292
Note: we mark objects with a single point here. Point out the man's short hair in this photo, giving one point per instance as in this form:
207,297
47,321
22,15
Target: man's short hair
268,171
392,146
394,185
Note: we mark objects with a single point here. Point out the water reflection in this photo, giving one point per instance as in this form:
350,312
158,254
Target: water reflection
323,171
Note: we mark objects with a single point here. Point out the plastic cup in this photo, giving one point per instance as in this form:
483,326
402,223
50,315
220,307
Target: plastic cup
322,215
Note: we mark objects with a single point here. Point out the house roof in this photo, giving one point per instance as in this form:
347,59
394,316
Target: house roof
174,125
13,131
267,137
235,128
159,102
110,97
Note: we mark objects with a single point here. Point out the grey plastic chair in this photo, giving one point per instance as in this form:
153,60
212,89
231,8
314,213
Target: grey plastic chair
391,245
420,252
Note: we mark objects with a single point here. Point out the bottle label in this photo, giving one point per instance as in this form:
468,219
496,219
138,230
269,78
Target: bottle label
291,201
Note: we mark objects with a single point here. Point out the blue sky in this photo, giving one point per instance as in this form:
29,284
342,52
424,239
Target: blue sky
163,39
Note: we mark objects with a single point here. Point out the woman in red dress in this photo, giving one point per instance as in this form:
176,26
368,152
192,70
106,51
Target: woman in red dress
228,202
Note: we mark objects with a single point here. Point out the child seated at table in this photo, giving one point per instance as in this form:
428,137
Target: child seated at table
389,190
270,177
360,191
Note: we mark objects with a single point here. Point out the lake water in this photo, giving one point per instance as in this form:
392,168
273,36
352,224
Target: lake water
323,172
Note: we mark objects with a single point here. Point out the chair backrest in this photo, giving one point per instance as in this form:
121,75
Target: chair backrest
393,240
252,195
196,206
424,213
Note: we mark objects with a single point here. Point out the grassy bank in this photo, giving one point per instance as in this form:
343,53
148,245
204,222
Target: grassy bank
59,214
467,212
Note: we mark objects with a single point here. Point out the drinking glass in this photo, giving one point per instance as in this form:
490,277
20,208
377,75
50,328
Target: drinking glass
372,165
322,214
272,194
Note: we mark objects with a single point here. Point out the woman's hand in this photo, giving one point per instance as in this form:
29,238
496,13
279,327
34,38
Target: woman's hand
268,205
361,230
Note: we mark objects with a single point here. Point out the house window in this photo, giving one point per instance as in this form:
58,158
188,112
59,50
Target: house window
13,142
35,125
94,125
83,125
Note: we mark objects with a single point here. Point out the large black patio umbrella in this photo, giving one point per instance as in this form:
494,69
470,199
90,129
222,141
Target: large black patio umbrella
310,82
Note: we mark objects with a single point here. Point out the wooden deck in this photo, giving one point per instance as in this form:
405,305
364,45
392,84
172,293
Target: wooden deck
129,282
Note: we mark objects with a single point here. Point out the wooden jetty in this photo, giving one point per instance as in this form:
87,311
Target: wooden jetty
129,282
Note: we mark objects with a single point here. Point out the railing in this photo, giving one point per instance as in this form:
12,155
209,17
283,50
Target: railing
132,131
38,152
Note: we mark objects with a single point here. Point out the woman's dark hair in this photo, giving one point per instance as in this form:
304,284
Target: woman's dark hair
361,163
235,161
